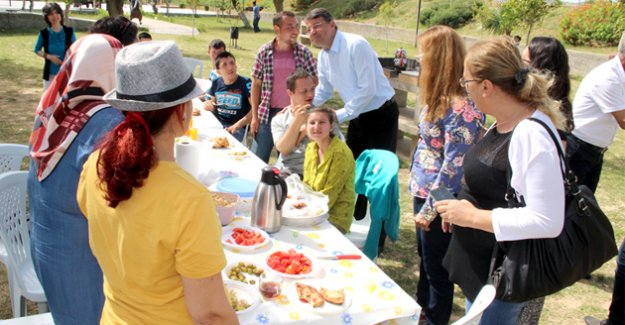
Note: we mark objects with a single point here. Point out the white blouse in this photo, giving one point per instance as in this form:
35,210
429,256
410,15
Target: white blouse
536,175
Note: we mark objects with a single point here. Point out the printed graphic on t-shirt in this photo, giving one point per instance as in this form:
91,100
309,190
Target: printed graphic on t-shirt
229,102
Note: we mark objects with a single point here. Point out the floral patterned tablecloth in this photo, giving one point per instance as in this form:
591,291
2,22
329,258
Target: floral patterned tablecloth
374,296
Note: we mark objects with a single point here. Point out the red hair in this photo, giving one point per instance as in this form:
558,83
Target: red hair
127,153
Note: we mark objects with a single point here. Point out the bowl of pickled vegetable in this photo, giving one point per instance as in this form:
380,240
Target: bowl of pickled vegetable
244,272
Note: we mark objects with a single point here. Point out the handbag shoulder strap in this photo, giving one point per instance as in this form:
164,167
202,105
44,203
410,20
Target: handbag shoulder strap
567,174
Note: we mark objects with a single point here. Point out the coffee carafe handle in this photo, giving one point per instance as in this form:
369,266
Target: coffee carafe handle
284,192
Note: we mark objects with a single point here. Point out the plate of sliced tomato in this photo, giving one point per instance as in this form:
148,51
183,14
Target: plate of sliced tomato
290,264
244,238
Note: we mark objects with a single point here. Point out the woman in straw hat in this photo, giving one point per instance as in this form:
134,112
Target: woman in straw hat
152,227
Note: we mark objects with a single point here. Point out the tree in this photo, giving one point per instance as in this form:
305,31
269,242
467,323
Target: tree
502,17
530,13
68,7
115,7
497,17
193,4
386,14
239,9
279,4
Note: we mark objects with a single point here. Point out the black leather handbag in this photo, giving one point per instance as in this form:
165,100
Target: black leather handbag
526,269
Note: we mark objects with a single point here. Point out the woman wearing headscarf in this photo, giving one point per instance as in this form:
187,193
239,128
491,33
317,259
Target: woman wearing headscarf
53,41
70,119
161,258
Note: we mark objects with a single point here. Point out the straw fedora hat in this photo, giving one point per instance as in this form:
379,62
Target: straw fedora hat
151,76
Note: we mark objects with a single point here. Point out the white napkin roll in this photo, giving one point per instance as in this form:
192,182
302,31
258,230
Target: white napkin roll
187,155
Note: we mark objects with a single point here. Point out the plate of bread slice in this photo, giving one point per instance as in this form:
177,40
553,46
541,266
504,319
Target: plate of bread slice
319,296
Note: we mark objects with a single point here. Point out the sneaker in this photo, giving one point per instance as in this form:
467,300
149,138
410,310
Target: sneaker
593,321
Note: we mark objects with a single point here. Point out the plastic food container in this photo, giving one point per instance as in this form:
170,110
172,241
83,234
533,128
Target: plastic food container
244,188
226,206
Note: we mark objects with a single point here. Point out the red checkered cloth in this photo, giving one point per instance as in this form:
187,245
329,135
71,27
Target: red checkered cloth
75,94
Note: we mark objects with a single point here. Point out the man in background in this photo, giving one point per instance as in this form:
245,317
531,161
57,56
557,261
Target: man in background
598,113
256,11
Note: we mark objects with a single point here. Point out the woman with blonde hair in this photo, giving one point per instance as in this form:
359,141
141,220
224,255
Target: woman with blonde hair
495,78
449,125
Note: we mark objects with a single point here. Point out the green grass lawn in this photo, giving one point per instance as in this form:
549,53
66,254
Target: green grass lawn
20,84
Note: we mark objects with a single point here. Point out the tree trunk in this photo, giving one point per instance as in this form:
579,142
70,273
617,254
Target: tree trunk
239,10
279,4
529,30
68,7
246,23
115,7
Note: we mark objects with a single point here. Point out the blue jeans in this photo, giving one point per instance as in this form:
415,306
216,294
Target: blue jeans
500,312
255,23
435,292
263,141
69,273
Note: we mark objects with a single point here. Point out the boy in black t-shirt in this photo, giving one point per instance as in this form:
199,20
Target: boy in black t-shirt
230,96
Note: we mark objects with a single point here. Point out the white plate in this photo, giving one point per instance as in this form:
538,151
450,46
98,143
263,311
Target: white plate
315,268
244,292
327,308
228,241
248,276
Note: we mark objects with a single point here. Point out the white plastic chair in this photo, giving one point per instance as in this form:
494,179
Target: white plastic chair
192,64
15,235
359,230
11,157
482,301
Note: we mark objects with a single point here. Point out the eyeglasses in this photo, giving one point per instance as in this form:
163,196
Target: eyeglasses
463,83
316,26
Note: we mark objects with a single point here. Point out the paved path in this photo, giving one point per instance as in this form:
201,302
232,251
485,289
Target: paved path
163,27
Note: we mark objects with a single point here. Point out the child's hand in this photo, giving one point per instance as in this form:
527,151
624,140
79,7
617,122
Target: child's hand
232,129
209,106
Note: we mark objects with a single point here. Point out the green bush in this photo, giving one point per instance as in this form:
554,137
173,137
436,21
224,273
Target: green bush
455,14
301,4
594,24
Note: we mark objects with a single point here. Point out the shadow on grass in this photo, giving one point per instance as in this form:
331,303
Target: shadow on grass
600,281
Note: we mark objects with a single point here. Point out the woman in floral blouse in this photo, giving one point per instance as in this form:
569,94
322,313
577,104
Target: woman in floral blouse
449,125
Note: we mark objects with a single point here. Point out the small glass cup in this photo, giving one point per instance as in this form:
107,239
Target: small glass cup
193,133
270,285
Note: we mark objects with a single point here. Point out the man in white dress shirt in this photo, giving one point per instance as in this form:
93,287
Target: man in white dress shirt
598,112
349,64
